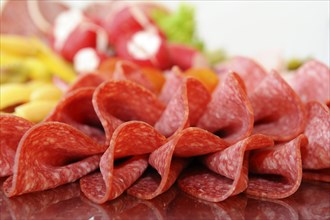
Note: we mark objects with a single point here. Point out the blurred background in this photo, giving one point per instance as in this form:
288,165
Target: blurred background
262,29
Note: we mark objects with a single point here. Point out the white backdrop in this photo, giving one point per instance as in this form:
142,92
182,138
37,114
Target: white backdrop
275,28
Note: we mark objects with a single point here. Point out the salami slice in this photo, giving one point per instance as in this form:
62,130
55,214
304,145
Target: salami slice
76,109
174,80
227,172
276,172
130,138
12,128
249,70
229,114
316,155
278,111
118,101
49,155
312,82
184,108
87,80
126,70
170,159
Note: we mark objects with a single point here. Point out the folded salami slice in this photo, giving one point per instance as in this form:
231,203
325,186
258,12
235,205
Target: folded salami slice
278,111
312,82
118,101
130,139
227,172
87,80
250,71
12,128
76,109
316,155
184,108
174,80
276,172
49,155
170,159
125,70
229,114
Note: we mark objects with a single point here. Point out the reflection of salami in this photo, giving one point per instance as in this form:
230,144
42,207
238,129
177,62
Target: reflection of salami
312,201
312,82
227,174
278,111
171,158
48,156
187,207
129,139
32,205
278,169
269,209
229,113
316,155
12,129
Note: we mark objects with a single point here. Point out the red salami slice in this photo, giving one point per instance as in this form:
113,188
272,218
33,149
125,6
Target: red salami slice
316,155
49,155
119,101
250,71
312,82
229,114
12,128
170,159
76,109
87,80
184,108
227,174
276,172
126,70
130,138
174,80
278,111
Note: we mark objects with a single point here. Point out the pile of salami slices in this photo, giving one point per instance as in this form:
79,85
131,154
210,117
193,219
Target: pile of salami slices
256,133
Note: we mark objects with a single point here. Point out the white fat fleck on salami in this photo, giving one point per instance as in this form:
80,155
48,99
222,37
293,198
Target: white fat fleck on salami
278,169
278,111
229,112
316,155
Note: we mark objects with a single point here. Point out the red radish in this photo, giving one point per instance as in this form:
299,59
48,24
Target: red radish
88,60
73,31
186,57
145,48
